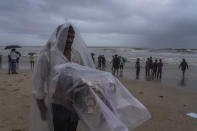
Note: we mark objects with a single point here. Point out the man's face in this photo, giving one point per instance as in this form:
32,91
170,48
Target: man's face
69,40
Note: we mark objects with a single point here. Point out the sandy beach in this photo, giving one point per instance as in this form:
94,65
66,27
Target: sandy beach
168,106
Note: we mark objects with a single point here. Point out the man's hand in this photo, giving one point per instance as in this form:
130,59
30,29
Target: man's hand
43,109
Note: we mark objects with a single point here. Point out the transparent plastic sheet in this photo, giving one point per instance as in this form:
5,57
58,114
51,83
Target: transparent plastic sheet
50,56
100,100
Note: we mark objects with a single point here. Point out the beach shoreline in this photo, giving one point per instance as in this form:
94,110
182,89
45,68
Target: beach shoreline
171,74
171,59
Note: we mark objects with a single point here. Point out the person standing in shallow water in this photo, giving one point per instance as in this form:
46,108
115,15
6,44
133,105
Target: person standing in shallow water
121,64
112,62
147,67
103,61
154,69
151,64
137,66
183,66
31,60
9,64
159,71
116,65
99,61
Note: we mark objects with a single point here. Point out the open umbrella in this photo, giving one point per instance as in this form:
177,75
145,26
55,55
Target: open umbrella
31,53
92,54
12,46
124,58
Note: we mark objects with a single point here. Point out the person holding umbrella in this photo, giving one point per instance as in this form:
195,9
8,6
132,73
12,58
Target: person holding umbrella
124,59
13,57
18,58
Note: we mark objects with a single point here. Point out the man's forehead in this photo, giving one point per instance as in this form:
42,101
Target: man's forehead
70,29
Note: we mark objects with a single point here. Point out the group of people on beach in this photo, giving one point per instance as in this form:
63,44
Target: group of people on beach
154,67
14,59
117,64
101,62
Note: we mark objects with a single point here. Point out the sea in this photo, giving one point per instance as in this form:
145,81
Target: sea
171,58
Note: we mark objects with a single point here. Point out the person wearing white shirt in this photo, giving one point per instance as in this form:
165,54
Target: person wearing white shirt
13,56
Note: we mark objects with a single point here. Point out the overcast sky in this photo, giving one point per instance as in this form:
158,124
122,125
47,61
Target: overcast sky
134,23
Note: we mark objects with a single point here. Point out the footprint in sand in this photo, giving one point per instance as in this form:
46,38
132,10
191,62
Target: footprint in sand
17,130
29,77
4,120
20,117
161,96
21,80
2,89
2,126
25,95
15,90
26,106
9,85
5,81
141,92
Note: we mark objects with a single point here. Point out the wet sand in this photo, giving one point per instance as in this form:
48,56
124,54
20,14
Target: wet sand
167,104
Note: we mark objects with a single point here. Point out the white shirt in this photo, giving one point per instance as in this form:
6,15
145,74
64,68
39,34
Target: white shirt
13,55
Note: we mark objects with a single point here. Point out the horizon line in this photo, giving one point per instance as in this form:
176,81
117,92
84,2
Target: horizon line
115,47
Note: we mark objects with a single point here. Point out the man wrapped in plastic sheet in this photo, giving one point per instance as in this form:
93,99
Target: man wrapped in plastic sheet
100,100
64,46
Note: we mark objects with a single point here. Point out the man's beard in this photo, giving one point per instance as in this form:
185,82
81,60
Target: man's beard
68,46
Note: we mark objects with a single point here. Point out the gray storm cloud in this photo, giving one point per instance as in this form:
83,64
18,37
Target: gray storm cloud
136,23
